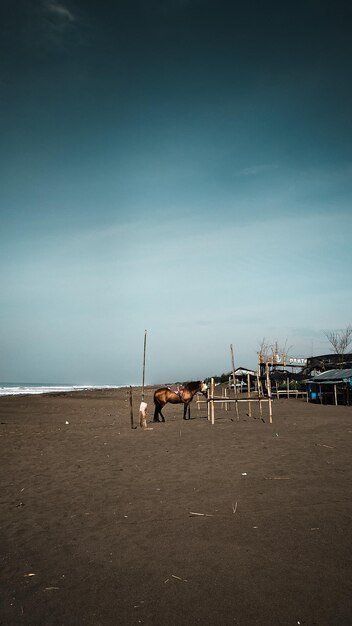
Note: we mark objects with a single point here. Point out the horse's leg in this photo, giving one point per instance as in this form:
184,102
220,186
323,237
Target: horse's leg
186,405
158,412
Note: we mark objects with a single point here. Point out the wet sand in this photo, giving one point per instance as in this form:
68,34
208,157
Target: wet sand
239,523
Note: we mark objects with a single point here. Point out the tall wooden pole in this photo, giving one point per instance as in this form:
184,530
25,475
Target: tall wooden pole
131,408
249,394
268,386
226,403
144,353
234,379
259,393
212,387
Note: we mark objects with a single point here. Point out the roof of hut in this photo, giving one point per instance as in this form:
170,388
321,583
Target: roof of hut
333,376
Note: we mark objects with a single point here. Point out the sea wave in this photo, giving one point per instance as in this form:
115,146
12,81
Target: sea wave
13,389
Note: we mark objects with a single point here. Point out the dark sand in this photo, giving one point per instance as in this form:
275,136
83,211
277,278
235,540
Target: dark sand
96,524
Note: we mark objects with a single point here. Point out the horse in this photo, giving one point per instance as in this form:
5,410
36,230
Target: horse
163,395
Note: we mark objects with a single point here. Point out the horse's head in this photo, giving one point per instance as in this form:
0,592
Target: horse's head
203,387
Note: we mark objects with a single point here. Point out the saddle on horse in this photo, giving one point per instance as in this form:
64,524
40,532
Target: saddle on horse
178,390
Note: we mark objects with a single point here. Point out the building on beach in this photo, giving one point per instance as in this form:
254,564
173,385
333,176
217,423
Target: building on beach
331,387
326,362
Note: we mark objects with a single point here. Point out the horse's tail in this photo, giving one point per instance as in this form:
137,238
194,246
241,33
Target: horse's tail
156,411
158,406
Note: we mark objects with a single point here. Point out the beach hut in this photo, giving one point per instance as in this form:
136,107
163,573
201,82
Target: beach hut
331,387
242,375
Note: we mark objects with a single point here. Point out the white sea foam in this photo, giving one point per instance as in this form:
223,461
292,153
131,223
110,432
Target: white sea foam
14,389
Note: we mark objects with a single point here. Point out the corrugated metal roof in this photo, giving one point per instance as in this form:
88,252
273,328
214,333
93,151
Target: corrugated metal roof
332,376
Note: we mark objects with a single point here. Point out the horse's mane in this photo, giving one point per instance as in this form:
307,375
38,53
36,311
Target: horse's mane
194,384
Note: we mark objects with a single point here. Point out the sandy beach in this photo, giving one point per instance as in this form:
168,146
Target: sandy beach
243,522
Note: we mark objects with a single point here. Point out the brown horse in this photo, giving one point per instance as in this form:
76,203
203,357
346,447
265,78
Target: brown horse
164,395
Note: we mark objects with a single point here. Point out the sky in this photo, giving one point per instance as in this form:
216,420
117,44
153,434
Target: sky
179,166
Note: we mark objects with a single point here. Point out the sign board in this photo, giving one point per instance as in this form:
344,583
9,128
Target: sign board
297,360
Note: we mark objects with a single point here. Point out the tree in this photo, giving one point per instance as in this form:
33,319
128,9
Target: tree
264,348
339,339
274,350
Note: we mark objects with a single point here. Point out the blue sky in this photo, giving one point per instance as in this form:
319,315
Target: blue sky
183,167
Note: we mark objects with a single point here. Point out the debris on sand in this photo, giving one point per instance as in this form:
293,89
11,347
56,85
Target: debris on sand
194,514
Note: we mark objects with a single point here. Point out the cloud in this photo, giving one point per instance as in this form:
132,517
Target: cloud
256,169
60,11
58,21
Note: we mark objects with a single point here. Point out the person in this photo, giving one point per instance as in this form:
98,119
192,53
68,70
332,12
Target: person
179,390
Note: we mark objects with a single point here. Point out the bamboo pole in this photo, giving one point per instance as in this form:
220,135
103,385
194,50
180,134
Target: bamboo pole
131,408
335,394
212,401
144,353
259,394
143,405
249,394
211,406
268,385
234,379
259,362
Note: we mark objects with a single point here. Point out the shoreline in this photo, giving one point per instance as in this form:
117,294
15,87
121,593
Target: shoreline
31,390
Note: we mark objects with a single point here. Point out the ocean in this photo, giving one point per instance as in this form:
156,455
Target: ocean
18,389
